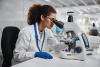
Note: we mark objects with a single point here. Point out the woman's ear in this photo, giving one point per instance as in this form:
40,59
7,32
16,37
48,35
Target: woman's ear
42,18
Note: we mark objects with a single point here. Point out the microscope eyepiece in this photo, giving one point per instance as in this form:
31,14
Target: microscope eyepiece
58,23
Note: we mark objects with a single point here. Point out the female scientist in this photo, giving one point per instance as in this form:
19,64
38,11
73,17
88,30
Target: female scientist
32,40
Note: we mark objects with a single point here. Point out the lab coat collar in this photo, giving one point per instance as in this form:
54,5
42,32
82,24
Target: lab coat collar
40,40
38,32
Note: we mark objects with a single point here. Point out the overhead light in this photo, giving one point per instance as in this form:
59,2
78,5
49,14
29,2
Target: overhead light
47,0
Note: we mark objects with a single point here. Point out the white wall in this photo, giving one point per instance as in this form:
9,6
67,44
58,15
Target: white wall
12,13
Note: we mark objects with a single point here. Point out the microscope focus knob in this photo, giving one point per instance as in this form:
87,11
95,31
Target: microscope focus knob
78,49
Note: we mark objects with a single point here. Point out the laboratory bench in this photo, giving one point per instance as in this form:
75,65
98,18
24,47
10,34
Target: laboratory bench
91,61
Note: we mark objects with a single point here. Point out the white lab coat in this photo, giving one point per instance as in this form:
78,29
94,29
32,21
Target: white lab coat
26,43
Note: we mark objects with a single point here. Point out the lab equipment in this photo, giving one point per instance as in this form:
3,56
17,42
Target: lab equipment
73,50
72,38
70,17
58,23
85,40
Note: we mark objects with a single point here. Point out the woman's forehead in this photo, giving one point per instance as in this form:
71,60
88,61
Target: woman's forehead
52,15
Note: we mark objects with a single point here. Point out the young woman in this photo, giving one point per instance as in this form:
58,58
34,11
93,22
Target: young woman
32,40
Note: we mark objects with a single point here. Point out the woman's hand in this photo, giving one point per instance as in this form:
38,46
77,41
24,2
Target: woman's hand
44,55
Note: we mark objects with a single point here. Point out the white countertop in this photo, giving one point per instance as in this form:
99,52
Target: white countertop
91,61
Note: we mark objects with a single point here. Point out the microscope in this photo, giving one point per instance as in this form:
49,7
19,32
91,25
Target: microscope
74,47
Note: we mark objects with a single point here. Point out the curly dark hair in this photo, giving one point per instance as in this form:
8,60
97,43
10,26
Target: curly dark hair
36,10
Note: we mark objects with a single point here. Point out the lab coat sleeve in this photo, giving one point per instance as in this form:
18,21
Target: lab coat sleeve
22,44
53,43
52,39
